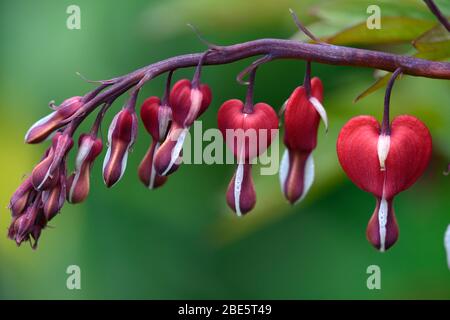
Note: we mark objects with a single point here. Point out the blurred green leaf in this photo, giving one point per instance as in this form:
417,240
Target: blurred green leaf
393,30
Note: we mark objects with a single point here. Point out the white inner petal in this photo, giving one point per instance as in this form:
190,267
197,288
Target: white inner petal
383,145
83,152
308,176
382,221
106,160
38,123
74,183
151,183
176,150
320,110
447,244
284,170
196,101
238,187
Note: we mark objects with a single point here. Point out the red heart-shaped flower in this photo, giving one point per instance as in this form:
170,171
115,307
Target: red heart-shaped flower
408,156
384,165
256,128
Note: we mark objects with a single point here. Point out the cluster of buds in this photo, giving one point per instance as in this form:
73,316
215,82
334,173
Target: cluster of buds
41,195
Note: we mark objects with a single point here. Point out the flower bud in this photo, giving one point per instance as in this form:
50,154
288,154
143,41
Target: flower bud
54,198
121,137
301,119
19,199
78,183
405,159
46,174
55,120
188,102
156,118
28,224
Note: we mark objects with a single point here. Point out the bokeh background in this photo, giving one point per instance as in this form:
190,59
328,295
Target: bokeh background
182,242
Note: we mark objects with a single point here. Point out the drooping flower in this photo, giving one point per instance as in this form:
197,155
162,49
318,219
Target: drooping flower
301,120
55,120
78,183
188,100
121,137
384,165
248,132
156,117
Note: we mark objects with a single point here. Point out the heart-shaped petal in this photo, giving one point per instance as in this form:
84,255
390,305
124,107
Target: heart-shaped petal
408,156
247,134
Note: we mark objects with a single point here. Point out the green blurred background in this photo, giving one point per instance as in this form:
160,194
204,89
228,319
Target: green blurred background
181,242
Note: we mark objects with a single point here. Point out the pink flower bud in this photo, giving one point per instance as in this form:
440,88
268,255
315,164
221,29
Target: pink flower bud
29,224
78,183
248,135
19,199
46,174
384,169
301,119
187,104
55,120
121,137
156,119
54,198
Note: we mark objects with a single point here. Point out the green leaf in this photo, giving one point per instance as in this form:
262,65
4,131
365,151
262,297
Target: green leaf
393,30
378,84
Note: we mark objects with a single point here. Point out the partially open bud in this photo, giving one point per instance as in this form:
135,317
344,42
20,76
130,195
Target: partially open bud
301,119
55,120
187,102
121,137
54,198
247,134
78,183
19,199
156,118
409,154
46,174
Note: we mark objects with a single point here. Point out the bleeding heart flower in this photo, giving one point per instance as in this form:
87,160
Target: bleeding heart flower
156,117
55,120
78,183
384,165
46,174
121,137
301,120
188,100
248,132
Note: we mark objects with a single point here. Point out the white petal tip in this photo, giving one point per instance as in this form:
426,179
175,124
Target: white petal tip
320,110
